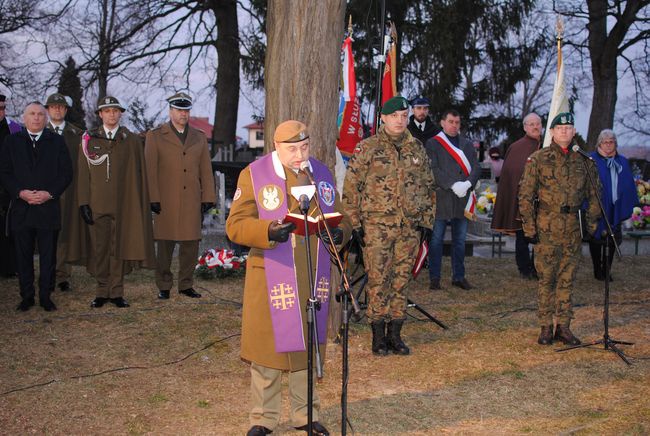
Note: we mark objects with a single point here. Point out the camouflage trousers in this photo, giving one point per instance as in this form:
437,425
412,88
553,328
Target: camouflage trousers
389,255
556,266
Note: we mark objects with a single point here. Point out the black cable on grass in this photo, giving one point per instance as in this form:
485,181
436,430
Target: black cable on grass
124,368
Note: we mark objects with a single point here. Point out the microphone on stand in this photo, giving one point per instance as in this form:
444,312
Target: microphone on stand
304,168
581,152
303,192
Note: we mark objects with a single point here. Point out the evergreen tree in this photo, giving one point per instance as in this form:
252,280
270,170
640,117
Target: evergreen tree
70,85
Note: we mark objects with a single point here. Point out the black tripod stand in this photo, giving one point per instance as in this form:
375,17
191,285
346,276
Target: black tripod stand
607,342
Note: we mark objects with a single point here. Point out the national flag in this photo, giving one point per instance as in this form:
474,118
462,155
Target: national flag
349,79
560,100
349,120
389,78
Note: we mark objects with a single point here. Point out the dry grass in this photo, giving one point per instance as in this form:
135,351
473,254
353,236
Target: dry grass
173,368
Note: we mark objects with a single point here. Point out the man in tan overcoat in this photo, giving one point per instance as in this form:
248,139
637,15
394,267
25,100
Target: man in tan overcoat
114,204
57,107
181,189
276,267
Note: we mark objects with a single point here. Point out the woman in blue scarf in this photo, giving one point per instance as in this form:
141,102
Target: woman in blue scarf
618,196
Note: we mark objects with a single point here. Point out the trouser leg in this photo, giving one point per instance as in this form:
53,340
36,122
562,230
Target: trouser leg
435,248
47,262
378,258
164,276
24,249
266,384
405,250
298,396
63,270
568,265
522,254
546,262
100,240
187,255
458,236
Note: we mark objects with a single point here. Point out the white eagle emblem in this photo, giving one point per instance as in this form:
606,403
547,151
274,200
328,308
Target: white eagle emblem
270,197
416,161
107,101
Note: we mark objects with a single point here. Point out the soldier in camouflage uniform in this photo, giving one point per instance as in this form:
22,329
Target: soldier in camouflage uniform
557,179
389,195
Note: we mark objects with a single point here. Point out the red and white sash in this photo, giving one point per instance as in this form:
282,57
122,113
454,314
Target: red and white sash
463,163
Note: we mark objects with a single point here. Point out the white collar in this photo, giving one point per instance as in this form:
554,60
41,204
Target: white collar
113,132
279,168
60,126
37,134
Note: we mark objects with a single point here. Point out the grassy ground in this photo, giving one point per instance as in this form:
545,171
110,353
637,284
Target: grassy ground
172,367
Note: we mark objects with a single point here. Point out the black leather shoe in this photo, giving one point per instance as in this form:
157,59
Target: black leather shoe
64,286
163,295
317,428
434,285
25,305
462,283
120,302
48,305
564,334
258,430
190,293
98,302
546,335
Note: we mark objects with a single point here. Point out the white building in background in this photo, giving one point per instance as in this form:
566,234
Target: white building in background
255,135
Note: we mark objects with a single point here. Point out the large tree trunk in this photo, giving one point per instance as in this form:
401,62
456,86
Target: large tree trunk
227,104
302,70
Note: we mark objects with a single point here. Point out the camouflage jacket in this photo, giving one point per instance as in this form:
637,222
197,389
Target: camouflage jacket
390,182
561,184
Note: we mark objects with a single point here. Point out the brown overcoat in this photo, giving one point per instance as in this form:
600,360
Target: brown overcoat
69,208
124,195
245,228
180,179
506,217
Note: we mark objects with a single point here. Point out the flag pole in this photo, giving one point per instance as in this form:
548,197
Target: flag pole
381,61
559,32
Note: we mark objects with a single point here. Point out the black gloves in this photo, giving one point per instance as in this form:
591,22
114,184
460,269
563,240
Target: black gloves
358,234
86,214
280,232
425,232
337,236
531,239
155,208
206,207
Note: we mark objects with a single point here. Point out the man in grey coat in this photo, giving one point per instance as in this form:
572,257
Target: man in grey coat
456,171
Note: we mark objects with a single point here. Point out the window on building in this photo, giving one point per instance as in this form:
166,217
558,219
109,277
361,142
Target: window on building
259,135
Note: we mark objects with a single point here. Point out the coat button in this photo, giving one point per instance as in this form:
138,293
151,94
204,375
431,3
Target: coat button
184,170
184,153
184,187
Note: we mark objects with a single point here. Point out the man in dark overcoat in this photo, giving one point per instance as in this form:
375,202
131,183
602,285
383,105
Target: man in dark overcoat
35,169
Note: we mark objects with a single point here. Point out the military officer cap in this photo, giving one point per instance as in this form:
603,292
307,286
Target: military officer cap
290,131
180,100
420,101
108,101
57,98
394,104
562,119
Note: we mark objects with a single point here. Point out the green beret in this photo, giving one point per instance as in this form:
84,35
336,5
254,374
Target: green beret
562,119
395,104
57,99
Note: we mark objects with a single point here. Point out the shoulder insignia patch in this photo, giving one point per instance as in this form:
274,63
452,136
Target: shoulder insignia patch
237,194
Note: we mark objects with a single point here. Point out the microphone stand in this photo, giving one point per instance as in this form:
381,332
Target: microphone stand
608,343
312,328
348,298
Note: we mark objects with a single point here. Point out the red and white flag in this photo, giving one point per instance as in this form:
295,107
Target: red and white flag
349,79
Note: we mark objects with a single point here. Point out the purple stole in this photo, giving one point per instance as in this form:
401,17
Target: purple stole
14,127
279,265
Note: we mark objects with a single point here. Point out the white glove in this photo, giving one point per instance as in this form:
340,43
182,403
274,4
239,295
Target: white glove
460,188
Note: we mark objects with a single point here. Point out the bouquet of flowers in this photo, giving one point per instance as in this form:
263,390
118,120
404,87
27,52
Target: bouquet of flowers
220,262
643,191
486,201
640,217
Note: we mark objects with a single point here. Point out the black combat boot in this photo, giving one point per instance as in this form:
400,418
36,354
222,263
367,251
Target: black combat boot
379,346
562,333
395,343
546,335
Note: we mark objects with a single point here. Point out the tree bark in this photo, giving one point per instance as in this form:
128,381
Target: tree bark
227,83
604,50
302,70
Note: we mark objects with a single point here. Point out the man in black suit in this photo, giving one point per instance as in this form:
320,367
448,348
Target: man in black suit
420,124
35,168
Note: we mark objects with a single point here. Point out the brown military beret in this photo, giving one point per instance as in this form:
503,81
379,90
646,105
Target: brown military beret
290,131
